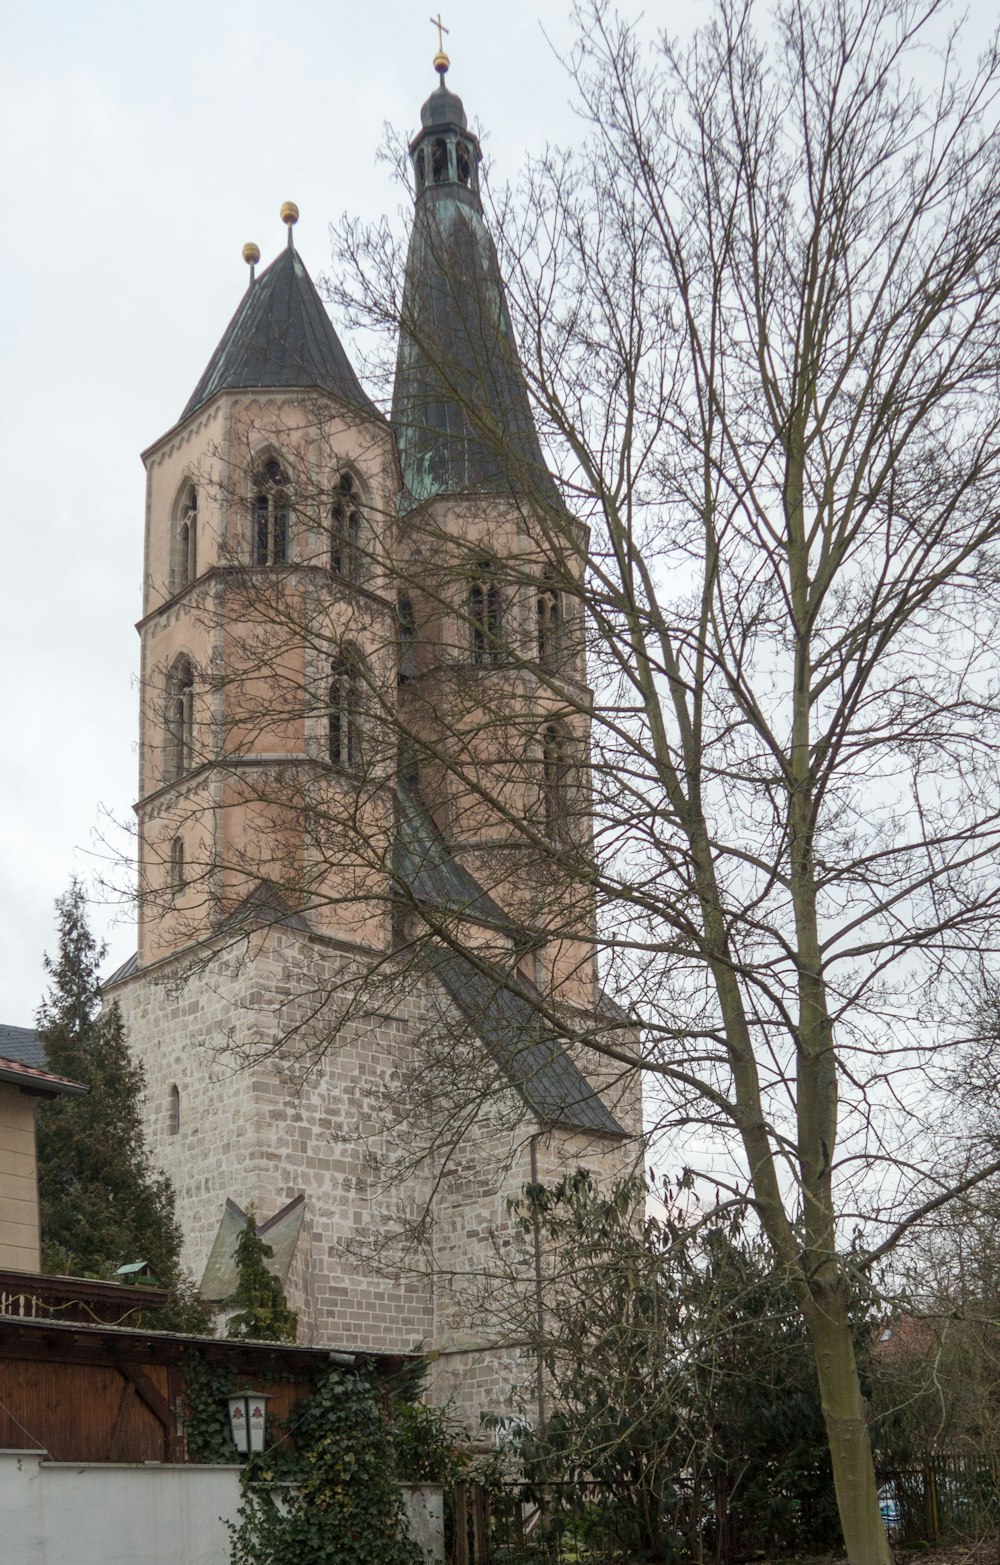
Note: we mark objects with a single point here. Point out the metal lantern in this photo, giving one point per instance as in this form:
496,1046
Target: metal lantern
247,1419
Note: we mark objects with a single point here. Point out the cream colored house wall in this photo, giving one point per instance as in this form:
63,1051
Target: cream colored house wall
19,1234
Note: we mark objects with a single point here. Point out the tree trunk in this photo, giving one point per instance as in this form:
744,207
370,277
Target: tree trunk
865,1536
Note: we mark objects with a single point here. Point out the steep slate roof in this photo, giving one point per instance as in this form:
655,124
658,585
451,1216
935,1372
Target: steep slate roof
534,1061
460,405
426,871
128,967
281,335
23,1044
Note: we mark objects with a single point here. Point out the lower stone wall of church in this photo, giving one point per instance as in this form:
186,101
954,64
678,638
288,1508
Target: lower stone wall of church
287,1082
262,1129
486,1317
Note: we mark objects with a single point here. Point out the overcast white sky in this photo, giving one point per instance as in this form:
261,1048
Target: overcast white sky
142,147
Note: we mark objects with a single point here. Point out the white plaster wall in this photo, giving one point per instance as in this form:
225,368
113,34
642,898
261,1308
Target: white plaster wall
62,1513
54,1513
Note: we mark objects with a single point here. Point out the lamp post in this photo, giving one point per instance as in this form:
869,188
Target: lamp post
247,1420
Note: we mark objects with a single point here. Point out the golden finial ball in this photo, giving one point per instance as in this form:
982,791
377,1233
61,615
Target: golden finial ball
289,213
441,61
251,254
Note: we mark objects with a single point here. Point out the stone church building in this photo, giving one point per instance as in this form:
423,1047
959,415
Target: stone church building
366,991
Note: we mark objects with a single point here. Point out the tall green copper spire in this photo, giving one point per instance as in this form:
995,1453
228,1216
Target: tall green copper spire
460,404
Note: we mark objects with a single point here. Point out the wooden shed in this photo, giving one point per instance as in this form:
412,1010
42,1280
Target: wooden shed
105,1393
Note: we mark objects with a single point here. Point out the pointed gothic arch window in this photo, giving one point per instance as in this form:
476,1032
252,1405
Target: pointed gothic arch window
179,735
407,623
186,543
548,611
345,530
555,781
485,615
174,1111
345,713
178,871
270,515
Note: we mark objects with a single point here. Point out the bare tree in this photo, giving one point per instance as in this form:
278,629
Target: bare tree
758,315
759,310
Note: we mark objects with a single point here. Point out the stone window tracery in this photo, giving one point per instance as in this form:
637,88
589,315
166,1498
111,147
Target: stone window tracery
345,713
548,611
345,530
186,547
270,516
179,734
485,607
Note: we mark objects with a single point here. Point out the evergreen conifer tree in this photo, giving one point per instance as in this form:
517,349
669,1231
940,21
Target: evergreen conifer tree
102,1203
263,1313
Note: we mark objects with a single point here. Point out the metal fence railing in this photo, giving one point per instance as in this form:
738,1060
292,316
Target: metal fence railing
950,1495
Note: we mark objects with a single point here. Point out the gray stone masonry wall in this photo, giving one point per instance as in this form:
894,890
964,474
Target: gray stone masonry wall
297,1072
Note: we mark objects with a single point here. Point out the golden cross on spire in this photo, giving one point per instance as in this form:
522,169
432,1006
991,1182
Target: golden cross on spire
441,61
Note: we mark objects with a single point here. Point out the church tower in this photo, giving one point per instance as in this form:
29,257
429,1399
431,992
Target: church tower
491,562
363,816
266,539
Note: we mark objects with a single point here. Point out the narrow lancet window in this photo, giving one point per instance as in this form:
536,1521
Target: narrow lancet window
484,613
555,782
270,516
180,720
178,873
407,639
548,612
186,558
345,530
344,714
174,1111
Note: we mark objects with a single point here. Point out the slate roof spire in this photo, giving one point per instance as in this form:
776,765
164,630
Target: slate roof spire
281,336
460,406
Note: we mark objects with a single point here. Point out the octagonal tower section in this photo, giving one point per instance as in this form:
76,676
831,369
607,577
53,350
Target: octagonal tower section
269,646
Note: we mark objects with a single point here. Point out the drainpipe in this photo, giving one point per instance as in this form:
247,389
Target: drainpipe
539,1306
